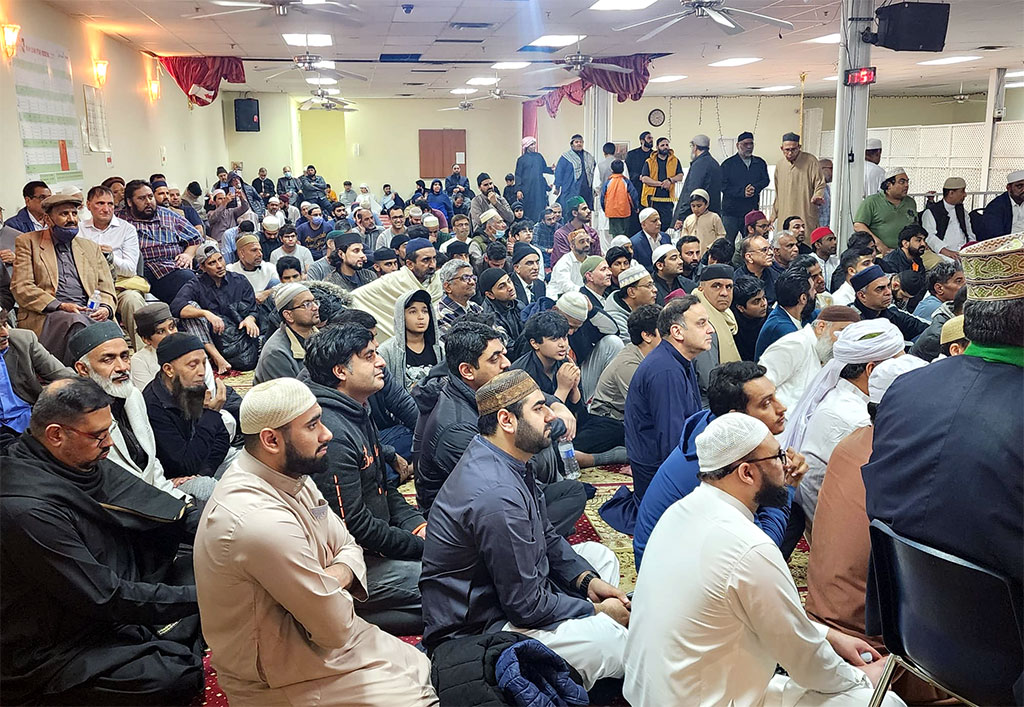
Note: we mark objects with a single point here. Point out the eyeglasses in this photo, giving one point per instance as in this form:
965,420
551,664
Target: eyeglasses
781,456
765,251
308,304
98,437
467,278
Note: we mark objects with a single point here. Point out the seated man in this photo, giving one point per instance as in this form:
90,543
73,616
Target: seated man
750,308
715,293
345,370
459,284
416,346
289,269
794,305
101,354
385,260
492,560
475,354
283,354
290,246
498,297
529,284
193,439
95,608
565,274
733,604
636,289
667,272
213,301
874,301
610,397
593,336
277,574
851,262
349,263
944,281
261,274
56,276
735,387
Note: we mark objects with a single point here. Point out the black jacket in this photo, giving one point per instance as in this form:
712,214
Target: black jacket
355,485
898,261
910,326
538,288
508,318
736,175
392,405
463,669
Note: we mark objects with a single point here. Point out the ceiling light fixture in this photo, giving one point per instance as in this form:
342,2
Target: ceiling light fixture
482,81
948,60
831,78
463,91
1015,84
738,61
613,5
321,81
154,89
667,79
510,65
775,89
10,39
331,91
326,64
307,40
827,39
557,40
1014,74
99,70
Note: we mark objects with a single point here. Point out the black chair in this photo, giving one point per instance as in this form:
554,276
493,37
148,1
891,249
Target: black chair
948,621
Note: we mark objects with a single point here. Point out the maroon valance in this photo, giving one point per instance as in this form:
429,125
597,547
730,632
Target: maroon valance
199,77
625,86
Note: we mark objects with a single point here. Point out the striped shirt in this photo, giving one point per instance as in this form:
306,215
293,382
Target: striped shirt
162,239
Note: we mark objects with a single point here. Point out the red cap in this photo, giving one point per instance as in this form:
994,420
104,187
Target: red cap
675,294
819,233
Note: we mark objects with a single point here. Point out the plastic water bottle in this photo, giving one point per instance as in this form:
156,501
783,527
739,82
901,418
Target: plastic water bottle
568,454
94,301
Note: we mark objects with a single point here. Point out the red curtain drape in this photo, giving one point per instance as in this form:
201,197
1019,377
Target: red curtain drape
625,86
199,77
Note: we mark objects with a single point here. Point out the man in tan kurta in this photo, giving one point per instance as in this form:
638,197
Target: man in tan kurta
277,574
799,184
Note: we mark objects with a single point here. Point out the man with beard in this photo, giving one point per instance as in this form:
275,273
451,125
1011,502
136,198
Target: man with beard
261,274
167,242
544,234
349,263
635,160
566,275
192,439
457,183
796,226
530,170
580,217
181,207
277,574
715,293
795,305
345,369
737,590
378,297
704,173
492,560
908,255
283,354
658,176
574,174
824,244
56,275
744,177
314,188
488,198
96,607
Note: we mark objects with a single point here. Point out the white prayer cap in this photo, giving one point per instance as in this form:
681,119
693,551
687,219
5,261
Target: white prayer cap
573,304
631,275
887,371
1017,176
430,220
872,143
304,205
893,172
647,213
270,224
273,200
727,439
274,404
620,241
217,192
661,251
488,215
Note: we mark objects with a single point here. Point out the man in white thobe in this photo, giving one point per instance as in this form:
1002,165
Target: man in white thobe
715,608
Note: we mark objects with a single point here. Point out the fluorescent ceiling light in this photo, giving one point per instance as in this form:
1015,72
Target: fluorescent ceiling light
331,91
1015,84
622,4
557,40
738,61
1014,74
827,39
667,79
482,81
773,89
323,64
831,78
510,65
948,60
307,40
314,2
320,81
463,91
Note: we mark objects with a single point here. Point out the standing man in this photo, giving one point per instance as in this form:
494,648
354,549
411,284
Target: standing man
530,171
1005,213
489,198
649,238
263,186
873,173
314,188
825,210
704,173
946,223
635,160
658,176
744,176
886,212
574,174
799,183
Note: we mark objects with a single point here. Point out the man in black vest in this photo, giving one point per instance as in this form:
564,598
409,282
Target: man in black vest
946,221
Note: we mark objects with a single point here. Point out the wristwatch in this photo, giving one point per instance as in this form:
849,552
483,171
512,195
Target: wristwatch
585,582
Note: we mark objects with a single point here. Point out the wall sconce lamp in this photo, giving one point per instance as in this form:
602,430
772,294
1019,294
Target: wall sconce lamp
10,39
99,69
154,89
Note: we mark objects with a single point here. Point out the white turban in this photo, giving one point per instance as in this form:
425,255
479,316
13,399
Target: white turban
861,342
647,213
727,439
274,404
620,240
888,371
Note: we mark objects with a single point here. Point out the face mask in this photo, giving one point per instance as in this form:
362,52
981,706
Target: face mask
318,221
288,175
499,234
63,234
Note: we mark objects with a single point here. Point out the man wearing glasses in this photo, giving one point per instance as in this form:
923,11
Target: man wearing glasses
757,256
887,212
459,284
283,354
30,217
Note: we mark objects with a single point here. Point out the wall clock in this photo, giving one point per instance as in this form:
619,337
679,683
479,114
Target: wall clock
656,117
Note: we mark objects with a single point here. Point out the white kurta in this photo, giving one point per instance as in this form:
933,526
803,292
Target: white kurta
565,276
844,295
715,609
954,238
792,363
873,177
828,267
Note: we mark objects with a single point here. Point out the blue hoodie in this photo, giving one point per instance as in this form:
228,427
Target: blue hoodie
677,477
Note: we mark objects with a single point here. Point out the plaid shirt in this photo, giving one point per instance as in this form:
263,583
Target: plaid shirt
449,312
162,239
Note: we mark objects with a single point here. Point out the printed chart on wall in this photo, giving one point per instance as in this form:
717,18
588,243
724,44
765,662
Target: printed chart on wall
50,132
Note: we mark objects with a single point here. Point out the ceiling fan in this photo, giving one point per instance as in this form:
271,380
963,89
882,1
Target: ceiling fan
313,63
575,63
463,105
725,17
497,94
280,8
322,101
960,98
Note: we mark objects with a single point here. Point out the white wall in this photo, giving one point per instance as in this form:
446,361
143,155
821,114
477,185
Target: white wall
276,145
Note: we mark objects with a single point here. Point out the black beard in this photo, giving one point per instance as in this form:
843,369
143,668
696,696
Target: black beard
770,495
189,400
296,465
146,213
663,152
808,308
530,440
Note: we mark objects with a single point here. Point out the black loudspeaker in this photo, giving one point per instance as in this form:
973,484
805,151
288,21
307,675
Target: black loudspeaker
913,26
247,115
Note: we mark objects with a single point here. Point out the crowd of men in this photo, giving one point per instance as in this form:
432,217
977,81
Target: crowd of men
487,344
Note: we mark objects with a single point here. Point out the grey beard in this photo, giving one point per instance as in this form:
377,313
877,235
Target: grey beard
823,346
114,390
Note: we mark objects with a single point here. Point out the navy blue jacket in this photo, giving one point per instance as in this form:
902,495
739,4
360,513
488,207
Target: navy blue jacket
642,251
998,217
768,277
736,175
776,326
21,221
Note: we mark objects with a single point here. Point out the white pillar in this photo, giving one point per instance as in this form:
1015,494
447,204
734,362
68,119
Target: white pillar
994,110
851,120
597,130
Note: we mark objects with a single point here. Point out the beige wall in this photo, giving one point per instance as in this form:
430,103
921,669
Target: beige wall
324,145
276,145
141,131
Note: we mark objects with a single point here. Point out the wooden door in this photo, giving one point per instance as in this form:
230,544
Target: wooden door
439,150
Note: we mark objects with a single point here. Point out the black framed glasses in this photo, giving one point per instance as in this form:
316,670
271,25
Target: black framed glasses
98,437
781,456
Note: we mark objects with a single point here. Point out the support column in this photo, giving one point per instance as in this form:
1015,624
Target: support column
597,120
851,120
994,111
